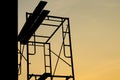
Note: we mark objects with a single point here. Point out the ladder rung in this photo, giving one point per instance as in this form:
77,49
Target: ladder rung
47,55
66,45
47,66
65,32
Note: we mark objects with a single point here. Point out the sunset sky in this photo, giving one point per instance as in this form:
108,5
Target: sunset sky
95,33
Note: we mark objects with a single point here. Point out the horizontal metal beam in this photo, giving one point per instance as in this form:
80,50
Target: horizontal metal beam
37,42
57,17
41,36
60,76
50,25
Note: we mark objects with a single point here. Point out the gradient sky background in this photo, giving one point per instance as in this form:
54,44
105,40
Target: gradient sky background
95,32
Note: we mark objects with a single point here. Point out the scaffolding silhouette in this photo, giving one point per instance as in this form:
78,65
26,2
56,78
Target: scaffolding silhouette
32,38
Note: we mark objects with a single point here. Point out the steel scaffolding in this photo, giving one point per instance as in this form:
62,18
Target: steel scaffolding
36,41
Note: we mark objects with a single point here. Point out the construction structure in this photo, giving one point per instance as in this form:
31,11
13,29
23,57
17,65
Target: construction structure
46,40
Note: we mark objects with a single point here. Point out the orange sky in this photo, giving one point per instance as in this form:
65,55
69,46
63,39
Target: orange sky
95,33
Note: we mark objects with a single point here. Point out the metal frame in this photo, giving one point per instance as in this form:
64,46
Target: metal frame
51,72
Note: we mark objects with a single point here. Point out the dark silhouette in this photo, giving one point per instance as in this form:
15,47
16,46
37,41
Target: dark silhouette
30,23
34,20
44,76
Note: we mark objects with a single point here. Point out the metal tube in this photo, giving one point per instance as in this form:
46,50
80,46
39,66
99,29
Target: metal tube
71,49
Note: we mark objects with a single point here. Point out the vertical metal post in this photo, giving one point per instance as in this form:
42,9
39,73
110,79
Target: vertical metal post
50,60
71,48
63,36
27,54
27,62
44,58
